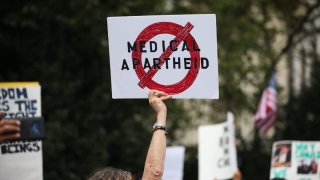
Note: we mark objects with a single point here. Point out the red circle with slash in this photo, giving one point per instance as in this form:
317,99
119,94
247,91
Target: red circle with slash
181,34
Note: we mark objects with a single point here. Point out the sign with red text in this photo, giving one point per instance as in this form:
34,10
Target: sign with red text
176,54
295,160
217,150
21,159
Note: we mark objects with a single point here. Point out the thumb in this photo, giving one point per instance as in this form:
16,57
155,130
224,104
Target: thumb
165,97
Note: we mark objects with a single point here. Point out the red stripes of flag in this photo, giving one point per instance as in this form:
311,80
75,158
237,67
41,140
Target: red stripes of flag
267,111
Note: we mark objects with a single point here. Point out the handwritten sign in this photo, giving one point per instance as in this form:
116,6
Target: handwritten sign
217,151
295,160
176,54
21,159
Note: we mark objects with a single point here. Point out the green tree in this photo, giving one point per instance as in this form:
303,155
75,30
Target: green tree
63,44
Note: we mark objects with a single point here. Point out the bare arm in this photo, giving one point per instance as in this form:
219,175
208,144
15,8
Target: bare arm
153,168
9,129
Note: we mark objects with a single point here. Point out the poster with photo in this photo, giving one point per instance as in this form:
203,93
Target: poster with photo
295,160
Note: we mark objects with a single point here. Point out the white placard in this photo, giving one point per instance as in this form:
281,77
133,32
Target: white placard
21,159
217,151
297,160
173,164
176,54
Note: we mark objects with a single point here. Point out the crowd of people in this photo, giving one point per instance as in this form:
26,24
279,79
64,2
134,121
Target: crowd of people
154,163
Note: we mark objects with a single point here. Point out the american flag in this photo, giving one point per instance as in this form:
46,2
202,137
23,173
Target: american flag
267,111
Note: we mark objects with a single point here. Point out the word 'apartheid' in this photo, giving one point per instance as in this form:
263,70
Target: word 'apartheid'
174,63
166,62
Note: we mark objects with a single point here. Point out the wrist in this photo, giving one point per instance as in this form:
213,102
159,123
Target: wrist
158,126
161,119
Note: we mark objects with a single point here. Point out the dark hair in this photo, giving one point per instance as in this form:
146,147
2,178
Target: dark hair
109,173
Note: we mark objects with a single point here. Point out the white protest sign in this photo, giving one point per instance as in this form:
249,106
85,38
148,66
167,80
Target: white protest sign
217,151
297,160
21,159
173,164
176,54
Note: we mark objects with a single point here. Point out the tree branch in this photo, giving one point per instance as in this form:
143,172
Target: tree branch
290,42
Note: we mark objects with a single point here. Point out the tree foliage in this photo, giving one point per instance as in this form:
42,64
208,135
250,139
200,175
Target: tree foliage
64,46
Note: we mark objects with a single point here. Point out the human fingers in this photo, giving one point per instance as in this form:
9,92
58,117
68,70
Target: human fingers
11,122
9,137
154,95
1,115
9,128
160,93
151,93
163,98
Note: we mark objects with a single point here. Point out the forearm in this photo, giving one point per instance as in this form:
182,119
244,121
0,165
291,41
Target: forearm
154,164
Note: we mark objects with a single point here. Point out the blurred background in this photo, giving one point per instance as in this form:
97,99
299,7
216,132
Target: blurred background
64,46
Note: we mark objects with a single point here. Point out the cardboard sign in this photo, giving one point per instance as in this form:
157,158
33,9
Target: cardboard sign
297,160
173,164
21,159
217,151
176,54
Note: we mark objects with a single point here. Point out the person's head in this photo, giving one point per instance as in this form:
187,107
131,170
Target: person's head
284,148
110,173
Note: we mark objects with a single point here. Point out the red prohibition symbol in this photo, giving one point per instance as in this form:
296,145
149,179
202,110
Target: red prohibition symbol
181,34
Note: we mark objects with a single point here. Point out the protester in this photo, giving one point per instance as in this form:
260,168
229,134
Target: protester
9,129
154,164
111,173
